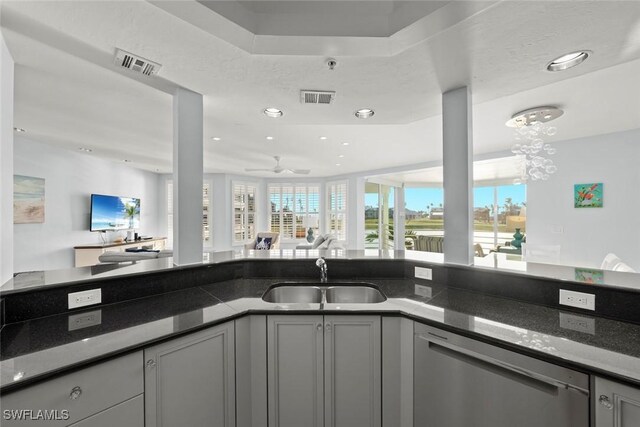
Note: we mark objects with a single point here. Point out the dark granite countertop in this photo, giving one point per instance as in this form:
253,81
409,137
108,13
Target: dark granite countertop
34,349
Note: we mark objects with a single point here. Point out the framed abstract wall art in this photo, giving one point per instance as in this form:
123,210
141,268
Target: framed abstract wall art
588,195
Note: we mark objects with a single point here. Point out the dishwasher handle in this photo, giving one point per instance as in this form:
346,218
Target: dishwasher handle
516,373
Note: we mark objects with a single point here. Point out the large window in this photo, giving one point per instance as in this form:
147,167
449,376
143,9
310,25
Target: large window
337,209
244,211
295,210
206,220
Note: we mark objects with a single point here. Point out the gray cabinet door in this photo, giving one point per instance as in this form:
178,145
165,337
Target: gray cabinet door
190,381
616,405
129,414
352,353
295,371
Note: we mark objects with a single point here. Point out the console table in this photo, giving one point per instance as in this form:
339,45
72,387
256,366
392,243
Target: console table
88,254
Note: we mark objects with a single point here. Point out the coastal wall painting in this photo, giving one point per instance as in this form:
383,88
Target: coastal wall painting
587,195
28,200
589,275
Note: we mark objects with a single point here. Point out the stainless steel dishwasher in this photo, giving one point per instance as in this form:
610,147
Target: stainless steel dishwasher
460,382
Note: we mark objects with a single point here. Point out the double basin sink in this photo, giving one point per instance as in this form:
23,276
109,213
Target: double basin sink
334,293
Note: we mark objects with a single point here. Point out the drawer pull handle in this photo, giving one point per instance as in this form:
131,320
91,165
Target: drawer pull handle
75,393
151,363
604,401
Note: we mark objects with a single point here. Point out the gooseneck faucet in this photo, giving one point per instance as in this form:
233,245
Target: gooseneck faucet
320,262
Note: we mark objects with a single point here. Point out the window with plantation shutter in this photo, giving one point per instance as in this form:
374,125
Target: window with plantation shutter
244,211
337,209
206,219
294,210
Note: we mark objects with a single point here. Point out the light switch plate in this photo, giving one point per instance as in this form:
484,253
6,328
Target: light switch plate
578,299
423,273
578,323
84,298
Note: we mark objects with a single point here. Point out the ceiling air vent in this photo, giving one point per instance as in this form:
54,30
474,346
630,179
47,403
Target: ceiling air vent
136,63
317,96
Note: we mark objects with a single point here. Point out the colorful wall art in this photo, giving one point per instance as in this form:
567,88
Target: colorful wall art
28,199
587,195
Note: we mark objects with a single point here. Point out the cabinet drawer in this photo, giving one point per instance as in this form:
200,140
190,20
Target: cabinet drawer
129,414
99,387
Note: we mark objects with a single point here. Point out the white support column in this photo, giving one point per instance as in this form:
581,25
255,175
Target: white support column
187,177
399,219
6,162
457,131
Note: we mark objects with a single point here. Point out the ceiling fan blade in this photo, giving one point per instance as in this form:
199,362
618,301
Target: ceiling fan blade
301,171
258,170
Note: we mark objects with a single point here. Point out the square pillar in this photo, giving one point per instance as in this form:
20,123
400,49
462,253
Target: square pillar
457,132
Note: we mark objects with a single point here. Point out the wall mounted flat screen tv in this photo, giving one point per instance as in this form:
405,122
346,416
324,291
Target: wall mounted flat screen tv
114,213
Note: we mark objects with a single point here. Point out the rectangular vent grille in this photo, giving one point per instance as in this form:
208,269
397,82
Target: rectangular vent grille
317,96
136,63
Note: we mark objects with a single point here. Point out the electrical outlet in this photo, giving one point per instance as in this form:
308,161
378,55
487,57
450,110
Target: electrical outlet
578,299
423,273
81,299
578,323
84,320
423,291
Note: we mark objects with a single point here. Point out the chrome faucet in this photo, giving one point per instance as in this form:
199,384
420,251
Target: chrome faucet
320,262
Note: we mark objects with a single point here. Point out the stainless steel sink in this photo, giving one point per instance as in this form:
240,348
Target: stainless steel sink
291,294
354,295
316,293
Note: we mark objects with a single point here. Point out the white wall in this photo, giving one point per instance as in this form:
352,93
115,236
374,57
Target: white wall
589,234
70,179
6,163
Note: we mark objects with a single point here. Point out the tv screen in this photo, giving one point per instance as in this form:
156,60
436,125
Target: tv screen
114,213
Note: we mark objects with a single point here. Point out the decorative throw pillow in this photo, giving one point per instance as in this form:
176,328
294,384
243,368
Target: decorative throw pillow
263,243
317,242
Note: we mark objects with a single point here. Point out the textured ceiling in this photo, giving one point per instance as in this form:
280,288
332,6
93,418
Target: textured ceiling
68,92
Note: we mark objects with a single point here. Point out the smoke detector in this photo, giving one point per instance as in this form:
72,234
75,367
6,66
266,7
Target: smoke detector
317,96
136,63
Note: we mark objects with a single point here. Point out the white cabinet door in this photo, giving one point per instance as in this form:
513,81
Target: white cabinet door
352,354
129,413
616,405
295,371
190,381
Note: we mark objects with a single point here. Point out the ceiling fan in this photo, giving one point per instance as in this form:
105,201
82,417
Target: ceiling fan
280,169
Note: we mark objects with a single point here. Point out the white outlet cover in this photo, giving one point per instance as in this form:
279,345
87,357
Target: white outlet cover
84,298
423,273
577,299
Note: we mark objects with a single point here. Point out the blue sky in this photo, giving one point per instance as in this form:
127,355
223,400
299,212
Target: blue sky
418,199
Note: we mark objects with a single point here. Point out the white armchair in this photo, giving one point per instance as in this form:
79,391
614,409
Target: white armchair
275,240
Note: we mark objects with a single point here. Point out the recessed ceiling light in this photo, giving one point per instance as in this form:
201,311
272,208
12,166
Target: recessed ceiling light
272,112
19,130
364,113
338,164
345,143
270,138
323,138
568,61
85,149
341,155
216,138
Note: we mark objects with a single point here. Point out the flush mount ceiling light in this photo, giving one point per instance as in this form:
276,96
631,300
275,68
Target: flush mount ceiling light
216,138
364,113
272,112
19,130
534,115
568,61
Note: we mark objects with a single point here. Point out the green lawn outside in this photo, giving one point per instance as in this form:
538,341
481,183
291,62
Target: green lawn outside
433,224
